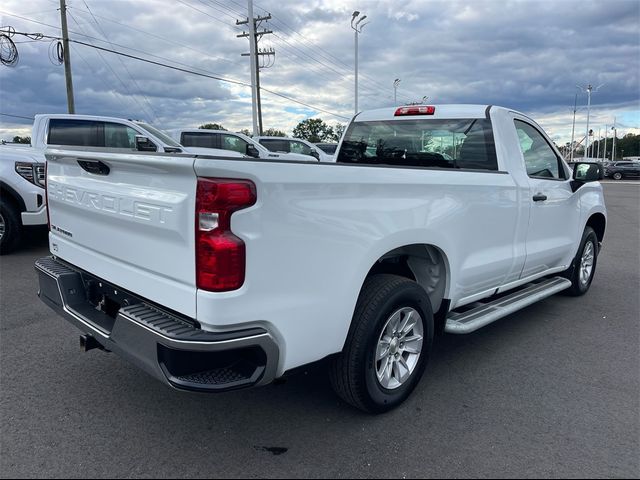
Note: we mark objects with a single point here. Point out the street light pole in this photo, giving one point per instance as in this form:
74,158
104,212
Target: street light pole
357,28
396,82
573,128
589,88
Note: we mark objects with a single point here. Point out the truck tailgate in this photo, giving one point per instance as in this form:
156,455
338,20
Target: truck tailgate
128,219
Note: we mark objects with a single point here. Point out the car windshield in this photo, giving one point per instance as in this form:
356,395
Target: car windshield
166,139
450,143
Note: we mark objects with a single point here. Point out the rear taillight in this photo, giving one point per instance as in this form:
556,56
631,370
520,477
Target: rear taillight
415,110
220,255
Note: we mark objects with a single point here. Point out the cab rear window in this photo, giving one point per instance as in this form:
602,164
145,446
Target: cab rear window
429,143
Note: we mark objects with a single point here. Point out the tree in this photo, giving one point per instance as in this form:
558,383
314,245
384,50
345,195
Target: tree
273,132
18,139
245,131
212,126
338,130
314,130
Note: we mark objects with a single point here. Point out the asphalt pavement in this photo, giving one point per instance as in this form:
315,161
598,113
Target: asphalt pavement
552,391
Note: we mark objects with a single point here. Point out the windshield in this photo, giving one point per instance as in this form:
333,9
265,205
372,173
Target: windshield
450,143
166,139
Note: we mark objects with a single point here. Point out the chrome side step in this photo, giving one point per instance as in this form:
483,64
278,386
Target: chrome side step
484,314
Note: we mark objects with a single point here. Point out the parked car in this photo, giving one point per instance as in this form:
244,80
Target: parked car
620,170
229,274
293,145
231,141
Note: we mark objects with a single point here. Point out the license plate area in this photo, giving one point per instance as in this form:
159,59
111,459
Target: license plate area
102,303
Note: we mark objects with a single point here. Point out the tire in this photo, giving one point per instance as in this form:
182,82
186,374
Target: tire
10,228
580,280
617,176
383,300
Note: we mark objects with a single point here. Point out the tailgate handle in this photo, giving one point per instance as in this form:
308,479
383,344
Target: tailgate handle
94,166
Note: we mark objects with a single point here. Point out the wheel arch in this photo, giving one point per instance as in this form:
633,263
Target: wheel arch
425,263
8,193
598,222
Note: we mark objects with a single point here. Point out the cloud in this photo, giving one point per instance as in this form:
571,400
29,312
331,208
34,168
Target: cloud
527,55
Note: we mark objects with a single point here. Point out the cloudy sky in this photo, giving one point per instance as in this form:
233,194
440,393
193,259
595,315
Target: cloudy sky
527,55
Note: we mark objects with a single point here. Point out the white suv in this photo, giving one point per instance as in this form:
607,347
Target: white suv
294,145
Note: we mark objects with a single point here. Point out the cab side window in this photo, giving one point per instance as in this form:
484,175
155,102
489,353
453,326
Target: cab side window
77,133
200,139
539,158
231,142
275,144
119,136
299,147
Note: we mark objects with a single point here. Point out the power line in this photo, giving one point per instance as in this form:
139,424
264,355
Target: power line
17,116
103,41
211,75
115,74
122,62
205,13
237,82
159,37
108,88
332,59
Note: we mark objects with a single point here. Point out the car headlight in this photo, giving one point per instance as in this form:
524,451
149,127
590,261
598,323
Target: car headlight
31,172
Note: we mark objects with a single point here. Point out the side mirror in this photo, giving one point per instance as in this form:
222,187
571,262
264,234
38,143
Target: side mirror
252,151
143,144
314,153
585,173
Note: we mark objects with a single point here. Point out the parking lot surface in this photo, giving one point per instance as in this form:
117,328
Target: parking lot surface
552,391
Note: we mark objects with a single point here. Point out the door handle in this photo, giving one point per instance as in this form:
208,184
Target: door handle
539,197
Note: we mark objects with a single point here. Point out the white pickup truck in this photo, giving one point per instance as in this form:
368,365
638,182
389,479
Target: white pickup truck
22,203
215,274
22,196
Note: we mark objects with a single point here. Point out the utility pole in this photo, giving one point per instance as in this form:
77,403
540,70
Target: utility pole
254,55
599,142
604,152
67,57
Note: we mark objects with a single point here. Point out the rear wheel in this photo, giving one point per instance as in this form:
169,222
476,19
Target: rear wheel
584,265
10,228
388,345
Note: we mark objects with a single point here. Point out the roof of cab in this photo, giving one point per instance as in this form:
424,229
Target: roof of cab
441,111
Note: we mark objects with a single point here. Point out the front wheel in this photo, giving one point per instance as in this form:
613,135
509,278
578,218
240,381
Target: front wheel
617,176
10,228
388,344
584,265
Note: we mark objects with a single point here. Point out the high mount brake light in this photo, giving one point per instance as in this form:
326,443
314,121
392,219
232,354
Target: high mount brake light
220,255
415,110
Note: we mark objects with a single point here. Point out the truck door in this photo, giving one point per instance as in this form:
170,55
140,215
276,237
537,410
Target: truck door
554,209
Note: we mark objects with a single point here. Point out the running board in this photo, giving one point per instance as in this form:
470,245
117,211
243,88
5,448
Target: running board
482,315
